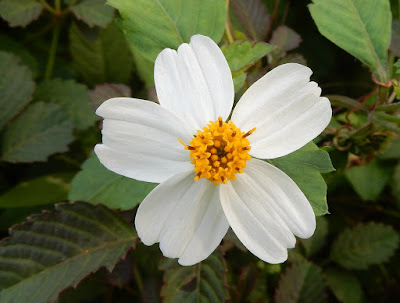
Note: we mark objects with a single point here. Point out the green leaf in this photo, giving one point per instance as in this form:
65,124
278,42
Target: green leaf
285,39
318,240
238,80
395,42
396,182
93,12
71,96
144,68
95,183
41,130
20,12
253,16
30,193
302,282
152,25
203,282
392,150
16,89
105,58
305,166
55,250
368,181
360,27
242,54
344,285
364,245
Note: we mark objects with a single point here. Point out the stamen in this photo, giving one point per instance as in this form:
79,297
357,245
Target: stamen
249,132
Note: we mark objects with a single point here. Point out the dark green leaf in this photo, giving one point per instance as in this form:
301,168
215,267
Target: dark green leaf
95,183
368,181
41,130
364,245
241,54
102,57
395,42
144,68
361,28
30,193
253,16
71,96
392,151
302,282
55,250
305,166
344,285
204,282
238,81
152,25
318,240
93,12
396,182
20,12
15,89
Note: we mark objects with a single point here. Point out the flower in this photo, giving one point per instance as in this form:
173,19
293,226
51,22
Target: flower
209,174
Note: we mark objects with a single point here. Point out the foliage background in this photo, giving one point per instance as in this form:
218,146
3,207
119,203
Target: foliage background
60,59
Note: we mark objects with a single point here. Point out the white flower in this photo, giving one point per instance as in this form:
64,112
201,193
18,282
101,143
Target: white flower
175,144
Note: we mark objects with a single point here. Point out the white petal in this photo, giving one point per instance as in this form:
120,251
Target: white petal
265,208
195,82
184,216
140,140
286,110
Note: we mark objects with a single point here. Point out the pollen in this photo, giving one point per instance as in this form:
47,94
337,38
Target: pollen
219,151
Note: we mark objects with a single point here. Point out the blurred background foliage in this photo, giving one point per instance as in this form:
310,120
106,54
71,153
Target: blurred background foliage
60,59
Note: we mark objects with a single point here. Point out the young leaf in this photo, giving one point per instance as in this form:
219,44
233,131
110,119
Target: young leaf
361,28
368,181
253,16
71,96
318,240
152,25
344,285
305,166
241,54
302,282
15,89
203,282
93,12
95,183
55,250
30,193
364,245
104,59
20,12
40,131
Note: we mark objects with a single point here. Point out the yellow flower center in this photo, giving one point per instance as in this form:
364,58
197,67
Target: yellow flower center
219,151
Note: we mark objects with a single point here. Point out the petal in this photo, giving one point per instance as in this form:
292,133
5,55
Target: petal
140,140
286,110
184,216
265,208
195,82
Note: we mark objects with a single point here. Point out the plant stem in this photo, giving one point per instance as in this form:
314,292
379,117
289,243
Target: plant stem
47,6
138,278
53,50
228,31
57,4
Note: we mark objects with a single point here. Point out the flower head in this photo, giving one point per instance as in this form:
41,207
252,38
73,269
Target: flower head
207,167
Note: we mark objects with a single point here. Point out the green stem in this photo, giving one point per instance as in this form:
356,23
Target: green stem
53,51
138,278
228,31
388,107
57,4
47,6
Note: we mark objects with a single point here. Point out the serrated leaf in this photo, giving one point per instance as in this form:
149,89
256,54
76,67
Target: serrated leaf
93,12
368,181
305,166
20,12
241,54
364,245
71,96
102,92
40,131
344,285
30,193
318,240
16,89
55,250
253,16
97,184
302,282
285,39
152,25
395,41
360,27
101,57
203,282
